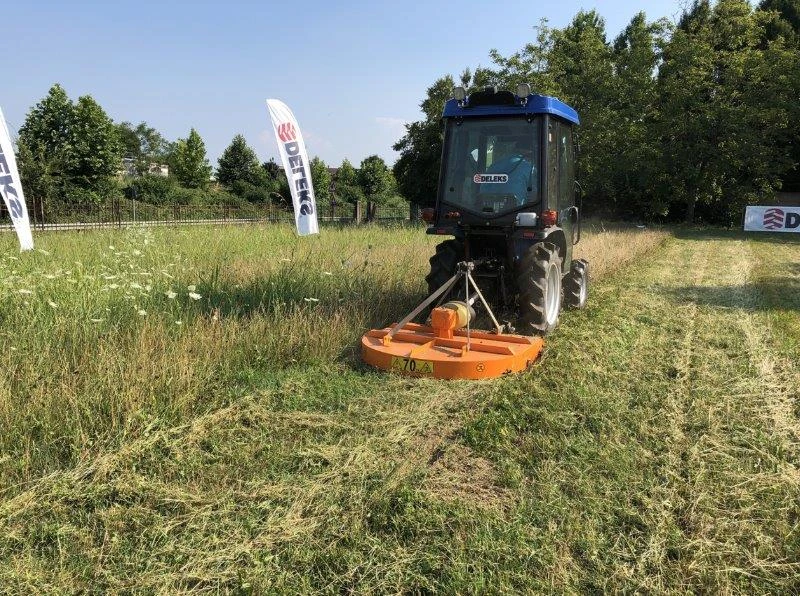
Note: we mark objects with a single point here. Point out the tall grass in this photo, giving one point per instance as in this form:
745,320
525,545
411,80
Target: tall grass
177,400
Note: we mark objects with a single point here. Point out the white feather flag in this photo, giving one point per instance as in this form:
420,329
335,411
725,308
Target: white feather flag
296,165
11,188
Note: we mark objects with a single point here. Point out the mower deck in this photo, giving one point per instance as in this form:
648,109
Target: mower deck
419,350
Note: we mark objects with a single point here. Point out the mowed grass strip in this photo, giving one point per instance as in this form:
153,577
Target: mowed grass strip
664,456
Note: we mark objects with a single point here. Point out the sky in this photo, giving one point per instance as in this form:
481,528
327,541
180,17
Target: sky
353,73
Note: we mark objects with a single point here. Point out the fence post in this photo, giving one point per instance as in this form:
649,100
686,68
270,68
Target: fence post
357,213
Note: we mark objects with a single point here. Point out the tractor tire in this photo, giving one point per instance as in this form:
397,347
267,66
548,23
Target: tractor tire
538,275
576,284
443,264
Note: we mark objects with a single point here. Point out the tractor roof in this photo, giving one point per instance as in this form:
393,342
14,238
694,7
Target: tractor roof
536,104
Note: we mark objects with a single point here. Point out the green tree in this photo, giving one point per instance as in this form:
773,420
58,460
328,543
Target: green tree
635,164
376,181
71,151
239,163
417,168
190,165
347,185
48,125
725,110
45,147
321,181
784,20
95,148
271,169
580,61
128,140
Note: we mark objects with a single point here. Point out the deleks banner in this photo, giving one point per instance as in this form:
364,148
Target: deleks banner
11,188
296,165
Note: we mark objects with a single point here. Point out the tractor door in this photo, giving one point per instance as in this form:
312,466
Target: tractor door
561,180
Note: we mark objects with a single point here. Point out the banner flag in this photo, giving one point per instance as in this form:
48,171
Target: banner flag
11,188
296,165
772,219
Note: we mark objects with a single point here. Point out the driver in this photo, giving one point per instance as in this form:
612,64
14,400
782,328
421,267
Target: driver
520,168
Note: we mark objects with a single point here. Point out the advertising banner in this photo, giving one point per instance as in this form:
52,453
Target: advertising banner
772,219
296,165
11,188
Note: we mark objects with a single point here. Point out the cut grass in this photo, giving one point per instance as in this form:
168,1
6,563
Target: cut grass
652,449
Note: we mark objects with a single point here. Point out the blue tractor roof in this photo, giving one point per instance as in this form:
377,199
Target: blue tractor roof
536,104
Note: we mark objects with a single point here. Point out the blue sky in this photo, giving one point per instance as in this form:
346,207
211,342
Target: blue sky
352,74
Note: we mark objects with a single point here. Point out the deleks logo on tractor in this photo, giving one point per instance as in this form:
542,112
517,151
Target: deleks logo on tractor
490,178
288,135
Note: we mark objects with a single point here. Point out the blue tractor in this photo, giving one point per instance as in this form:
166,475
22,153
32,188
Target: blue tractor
507,193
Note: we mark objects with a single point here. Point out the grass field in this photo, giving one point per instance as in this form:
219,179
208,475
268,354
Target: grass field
184,410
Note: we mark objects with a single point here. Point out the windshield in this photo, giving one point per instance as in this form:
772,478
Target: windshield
492,165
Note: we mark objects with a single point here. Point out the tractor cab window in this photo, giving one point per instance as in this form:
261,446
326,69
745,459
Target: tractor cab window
492,165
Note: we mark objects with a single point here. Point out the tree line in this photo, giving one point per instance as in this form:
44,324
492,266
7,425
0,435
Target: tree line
683,121
72,154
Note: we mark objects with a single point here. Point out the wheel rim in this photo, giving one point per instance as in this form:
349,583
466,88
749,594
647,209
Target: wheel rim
552,295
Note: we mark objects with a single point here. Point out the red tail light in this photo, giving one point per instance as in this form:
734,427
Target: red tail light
549,218
428,214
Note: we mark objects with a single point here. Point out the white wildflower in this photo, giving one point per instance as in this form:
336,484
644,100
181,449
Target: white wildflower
135,286
171,295
113,286
327,273
191,288
141,312
23,291
52,304
179,322
194,296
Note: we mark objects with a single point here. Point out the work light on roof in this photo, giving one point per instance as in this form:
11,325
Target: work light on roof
460,94
523,90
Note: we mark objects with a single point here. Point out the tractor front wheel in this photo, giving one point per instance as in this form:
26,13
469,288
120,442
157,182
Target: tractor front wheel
443,264
539,285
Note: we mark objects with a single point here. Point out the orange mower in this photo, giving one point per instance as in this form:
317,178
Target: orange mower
448,348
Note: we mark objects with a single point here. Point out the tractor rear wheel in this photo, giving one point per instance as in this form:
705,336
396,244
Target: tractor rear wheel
443,263
539,285
576,284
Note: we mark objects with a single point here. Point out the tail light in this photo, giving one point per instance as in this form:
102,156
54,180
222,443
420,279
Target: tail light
549,218
428,214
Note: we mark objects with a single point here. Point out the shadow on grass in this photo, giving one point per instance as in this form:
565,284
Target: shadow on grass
769,294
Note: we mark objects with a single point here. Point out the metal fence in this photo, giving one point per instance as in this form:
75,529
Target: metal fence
120,214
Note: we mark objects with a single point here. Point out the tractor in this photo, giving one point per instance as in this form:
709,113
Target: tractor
507,195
